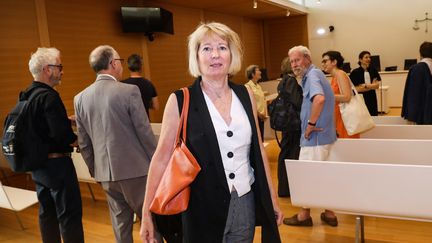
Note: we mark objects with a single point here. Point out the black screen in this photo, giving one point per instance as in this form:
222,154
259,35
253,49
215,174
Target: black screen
375,62
346,67
390,68
408,63
264,76
146,20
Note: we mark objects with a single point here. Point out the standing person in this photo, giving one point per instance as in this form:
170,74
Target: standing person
367,79
58,192
147,89
290,143
417,98
115,138
318,128
234,186
253,74
332,62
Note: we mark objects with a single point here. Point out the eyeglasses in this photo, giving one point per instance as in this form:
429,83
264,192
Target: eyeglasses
59,66
324,60
118,59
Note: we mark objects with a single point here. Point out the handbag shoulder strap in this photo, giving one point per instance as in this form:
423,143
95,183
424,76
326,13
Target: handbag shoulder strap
183,116
354,90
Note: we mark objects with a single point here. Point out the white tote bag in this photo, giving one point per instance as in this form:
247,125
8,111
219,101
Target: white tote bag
355,114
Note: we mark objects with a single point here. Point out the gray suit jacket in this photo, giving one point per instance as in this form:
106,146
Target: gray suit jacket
114,132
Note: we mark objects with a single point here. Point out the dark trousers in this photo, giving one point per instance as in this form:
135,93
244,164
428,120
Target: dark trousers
60,206
290,149
261,127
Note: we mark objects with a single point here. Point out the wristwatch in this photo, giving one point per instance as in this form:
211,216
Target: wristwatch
311,123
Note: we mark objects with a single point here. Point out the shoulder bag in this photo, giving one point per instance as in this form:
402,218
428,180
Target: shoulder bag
172,194
355,115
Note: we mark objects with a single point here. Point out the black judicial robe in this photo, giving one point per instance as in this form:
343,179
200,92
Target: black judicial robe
370,98
205,218
417,97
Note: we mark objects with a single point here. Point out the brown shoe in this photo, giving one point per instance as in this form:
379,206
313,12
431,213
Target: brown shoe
294,221
330,221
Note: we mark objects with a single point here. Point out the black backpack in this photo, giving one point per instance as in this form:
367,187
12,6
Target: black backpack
21,145
284,111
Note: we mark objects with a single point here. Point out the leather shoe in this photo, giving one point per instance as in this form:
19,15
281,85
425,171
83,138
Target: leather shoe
330,221
294,221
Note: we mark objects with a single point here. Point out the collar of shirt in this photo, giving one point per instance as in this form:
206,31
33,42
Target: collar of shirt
428,61
306,73
107,75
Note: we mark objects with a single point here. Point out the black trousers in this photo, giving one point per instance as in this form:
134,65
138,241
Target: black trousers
60,206
290,149
261,127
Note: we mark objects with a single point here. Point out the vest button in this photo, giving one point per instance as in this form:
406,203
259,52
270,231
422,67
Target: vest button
230,134
230,154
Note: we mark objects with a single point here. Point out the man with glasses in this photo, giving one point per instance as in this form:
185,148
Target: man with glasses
115,139
60,207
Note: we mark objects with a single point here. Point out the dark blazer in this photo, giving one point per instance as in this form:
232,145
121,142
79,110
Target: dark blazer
417,97
205,219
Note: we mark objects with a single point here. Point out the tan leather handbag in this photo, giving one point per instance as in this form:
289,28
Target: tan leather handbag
172,194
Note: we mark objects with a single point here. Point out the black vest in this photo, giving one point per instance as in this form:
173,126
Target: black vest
205,219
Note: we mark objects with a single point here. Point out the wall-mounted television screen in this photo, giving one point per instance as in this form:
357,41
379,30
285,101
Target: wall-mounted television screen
147,20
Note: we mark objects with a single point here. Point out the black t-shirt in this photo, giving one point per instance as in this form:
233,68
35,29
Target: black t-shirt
146,88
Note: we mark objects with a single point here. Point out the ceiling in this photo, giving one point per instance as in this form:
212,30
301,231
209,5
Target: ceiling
243,8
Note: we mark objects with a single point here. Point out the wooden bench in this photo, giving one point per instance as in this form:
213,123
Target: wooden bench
399,132
367,177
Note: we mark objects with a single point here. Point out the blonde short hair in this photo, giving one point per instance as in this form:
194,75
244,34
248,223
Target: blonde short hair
224,32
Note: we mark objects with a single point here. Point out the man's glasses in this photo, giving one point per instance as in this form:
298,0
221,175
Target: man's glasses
118,59
59,66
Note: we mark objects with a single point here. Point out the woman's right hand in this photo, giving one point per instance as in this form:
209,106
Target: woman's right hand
147,229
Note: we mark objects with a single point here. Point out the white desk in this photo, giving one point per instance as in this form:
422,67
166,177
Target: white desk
396,83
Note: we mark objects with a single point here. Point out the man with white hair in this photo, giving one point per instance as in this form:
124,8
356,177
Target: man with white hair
318,127
60,207
115,139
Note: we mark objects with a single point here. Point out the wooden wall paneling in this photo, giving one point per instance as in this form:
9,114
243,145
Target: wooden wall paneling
168,55
76,28
280,35
19,38
253,45
42,23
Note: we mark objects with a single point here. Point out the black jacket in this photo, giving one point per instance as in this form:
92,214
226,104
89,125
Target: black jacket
54,127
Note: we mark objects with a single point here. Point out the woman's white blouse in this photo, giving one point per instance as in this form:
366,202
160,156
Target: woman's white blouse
234,143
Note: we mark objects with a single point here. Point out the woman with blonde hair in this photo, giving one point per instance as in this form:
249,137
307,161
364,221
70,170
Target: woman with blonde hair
233,191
